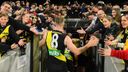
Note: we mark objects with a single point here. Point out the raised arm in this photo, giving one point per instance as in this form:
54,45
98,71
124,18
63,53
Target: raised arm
92,42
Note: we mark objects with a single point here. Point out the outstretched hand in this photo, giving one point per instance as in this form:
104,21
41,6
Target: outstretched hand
105,51
81,31
108,42
110,37
13,46
21,42
93,41
34,30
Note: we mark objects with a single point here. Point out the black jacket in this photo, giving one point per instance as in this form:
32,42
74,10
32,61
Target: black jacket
17,24
12,33
12,37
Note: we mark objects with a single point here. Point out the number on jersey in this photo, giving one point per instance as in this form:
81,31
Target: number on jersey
54,42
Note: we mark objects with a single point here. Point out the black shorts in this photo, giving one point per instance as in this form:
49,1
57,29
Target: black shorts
55,65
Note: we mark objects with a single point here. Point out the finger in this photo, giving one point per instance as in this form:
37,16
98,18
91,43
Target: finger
101,49
94,37
21,44
80,27
23,40
12,45
77,30
101,54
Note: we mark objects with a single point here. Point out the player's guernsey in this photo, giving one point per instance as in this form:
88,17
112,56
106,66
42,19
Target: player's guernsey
56,48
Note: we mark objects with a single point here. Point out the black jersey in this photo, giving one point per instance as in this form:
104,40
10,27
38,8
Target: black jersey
56,61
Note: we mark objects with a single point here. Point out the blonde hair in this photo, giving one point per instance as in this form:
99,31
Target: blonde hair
118,14
3,14
59,20
109,18
6,2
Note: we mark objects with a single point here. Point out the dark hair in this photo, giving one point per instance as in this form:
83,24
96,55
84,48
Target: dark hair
125,15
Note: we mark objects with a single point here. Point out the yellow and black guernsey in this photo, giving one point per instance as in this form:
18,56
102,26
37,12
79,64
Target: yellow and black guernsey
123,38
9,33
5,32
56,61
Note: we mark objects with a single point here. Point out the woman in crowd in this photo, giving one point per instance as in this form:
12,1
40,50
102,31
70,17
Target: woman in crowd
121,41
111,28
116,15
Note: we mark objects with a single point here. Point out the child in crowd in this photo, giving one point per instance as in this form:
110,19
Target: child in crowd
6,33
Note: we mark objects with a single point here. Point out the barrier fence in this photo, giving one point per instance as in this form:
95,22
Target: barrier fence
13,62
